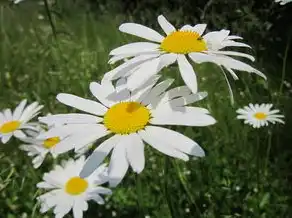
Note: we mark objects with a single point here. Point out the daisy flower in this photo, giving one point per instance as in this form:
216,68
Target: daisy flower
148,58
69,191
13,124
259,115
38,148
131,118
283,2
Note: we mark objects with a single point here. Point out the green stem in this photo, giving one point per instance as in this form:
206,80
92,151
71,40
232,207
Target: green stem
140,196
49,15
284,65
166,190
186,188
268,150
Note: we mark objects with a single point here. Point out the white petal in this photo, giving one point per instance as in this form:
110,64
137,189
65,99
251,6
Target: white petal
79,206
8,115
98,155
81,139
72,118
19,134
2,118
128,65
159,144
145,71
187,72
135,152
177,140
117,58
19,109
101,94
186,27
156,91
188,116
141,31
82,104
178,102
142,92
37,161
166,60
5,138
200,28
135,47
233,53
165,25
97,199
63,131
30,111
225,61
174,93
118,165
101,190
230,43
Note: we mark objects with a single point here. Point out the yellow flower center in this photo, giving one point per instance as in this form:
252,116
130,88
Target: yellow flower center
260,115
9,126
183,42
126,117
76,186
51,142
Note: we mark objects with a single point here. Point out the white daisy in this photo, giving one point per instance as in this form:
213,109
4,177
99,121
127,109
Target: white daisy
259,115
12,124
69,191
150,57
283,2
38,148
132,117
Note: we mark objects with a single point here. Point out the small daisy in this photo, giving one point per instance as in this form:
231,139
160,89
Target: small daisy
69,191
259,115
38,148
283,2
148,58
12,124
131,117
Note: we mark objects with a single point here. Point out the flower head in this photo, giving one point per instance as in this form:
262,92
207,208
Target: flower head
148,58
259,115
12,124
130,118
70,191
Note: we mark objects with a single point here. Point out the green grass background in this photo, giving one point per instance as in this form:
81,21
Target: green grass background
246,172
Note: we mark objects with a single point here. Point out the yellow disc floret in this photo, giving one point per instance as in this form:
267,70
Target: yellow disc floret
76,186
51,142
183,42
260,115
126,117
10,126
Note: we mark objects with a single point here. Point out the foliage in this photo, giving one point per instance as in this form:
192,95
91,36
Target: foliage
246,172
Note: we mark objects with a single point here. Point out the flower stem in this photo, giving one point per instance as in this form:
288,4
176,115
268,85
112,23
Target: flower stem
166,189
186,188
49,15
139,195
284,64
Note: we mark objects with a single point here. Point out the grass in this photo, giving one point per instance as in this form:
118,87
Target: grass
245,173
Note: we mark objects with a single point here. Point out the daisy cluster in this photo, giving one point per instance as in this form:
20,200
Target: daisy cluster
132,108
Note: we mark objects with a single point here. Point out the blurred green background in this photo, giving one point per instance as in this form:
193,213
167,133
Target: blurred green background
246,172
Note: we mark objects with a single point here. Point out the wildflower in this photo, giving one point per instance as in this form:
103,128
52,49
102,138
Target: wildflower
69,191
148,58
259,115
13,124
38,148
131,117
